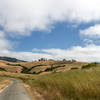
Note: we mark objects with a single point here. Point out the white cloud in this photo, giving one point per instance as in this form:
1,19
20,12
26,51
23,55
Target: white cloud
4,43
88,42
88,53
23,16
27,56
93,31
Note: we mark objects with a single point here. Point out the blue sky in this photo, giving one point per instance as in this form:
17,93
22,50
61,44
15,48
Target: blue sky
52,29
62,36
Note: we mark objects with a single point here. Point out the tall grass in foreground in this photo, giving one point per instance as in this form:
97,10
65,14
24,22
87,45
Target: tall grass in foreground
72,85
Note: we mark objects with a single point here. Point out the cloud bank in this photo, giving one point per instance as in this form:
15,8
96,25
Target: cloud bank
23,16
88,53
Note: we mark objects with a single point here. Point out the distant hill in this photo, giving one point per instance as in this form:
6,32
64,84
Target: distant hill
9,59
38,67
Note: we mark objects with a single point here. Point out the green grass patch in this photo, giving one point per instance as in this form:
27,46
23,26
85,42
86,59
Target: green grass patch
90,65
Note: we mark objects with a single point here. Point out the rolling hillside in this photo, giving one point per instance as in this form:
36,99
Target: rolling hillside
40,67
69,79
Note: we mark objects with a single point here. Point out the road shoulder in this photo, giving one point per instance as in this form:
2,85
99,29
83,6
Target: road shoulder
33,94
4,84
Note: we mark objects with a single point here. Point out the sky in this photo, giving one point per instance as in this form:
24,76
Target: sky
52,29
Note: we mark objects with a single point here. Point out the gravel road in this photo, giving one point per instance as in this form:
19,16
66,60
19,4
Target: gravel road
15,91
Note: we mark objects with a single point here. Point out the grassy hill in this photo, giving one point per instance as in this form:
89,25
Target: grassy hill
8,66
57,80
40,67
73,84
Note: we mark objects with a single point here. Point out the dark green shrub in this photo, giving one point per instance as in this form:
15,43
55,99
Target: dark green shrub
2,69
74,68
90,65
25,70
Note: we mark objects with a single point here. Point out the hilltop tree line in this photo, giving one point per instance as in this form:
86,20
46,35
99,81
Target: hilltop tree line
64,60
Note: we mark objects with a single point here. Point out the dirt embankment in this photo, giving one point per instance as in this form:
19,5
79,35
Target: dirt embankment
33,94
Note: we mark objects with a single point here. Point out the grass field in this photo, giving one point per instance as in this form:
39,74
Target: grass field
71,85
75,84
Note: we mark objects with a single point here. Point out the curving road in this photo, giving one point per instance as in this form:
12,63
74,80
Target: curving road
15,91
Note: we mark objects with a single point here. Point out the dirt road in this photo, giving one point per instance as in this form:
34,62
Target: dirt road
15,91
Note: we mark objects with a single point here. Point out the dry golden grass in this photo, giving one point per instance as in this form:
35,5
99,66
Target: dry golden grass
58,66
17,75
70,85
4,82
39,67
10,67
